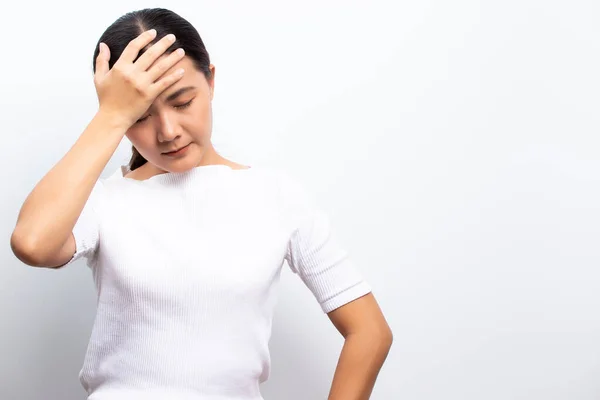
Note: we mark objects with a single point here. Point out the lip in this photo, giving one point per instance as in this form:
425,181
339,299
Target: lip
177,152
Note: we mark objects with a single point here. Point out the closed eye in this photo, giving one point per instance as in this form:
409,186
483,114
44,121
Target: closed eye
186,105
179,107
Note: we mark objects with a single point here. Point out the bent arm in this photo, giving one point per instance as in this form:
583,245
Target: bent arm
49,213
368,339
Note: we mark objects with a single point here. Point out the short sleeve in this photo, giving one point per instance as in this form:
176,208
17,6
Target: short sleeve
86,229
315,253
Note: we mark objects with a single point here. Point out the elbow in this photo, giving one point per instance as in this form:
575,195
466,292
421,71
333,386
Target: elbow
22,249
386,338
25,250
379,337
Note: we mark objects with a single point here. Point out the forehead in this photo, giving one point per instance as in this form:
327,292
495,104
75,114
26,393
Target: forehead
186,63
191,77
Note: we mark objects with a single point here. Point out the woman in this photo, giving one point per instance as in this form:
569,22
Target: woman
186,247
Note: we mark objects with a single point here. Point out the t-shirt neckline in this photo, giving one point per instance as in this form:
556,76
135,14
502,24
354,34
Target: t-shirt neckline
174,177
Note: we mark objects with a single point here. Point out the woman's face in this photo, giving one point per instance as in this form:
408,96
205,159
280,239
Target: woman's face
180,116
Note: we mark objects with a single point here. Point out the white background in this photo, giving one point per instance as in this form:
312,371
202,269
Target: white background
454,144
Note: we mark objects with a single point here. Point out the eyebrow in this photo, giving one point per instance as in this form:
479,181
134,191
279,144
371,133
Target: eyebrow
179,92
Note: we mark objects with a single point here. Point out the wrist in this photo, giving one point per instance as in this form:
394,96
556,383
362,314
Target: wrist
115,121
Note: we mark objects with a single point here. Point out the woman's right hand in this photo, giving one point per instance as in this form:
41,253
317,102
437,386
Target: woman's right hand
129,88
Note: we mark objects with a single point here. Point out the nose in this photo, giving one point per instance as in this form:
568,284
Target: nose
168,128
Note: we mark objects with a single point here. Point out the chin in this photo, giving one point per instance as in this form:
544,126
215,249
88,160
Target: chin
181,165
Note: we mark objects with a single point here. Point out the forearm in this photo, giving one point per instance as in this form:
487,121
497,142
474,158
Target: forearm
359,364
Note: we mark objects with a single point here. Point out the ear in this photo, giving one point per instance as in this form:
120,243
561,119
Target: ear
211,82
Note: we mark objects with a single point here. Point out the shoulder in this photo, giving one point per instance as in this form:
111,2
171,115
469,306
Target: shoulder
295,195
293,187
273,181
286,182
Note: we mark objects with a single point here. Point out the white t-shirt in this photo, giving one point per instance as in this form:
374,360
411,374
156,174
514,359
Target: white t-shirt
186,268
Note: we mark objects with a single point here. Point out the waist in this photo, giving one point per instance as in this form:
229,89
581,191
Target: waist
162,394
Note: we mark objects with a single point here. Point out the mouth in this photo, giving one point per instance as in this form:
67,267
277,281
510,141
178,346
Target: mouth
177,152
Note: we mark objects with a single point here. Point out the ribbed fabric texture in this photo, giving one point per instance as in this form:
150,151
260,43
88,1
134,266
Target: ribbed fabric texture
186,267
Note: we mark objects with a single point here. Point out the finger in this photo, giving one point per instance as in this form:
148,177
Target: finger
133,47
163,84
154,52
157,70
102,60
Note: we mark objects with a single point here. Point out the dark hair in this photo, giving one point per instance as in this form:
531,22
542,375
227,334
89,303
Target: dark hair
118,35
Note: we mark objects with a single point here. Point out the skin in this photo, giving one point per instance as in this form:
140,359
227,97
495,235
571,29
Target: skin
181,115
367,342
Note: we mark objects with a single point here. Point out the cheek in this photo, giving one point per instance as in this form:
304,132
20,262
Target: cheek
201,112
199,121
140,138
